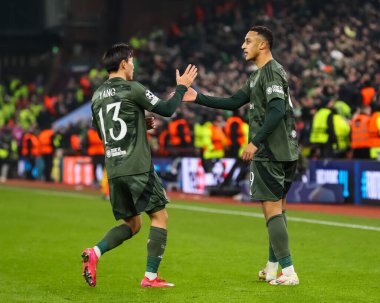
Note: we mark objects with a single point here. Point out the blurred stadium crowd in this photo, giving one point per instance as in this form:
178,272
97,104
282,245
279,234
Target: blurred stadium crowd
330,50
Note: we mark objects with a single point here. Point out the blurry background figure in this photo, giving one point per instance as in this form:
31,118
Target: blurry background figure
104,186
45,138
330,132
374,135
8,153
214,142
94,147
360,141
180,136
30,151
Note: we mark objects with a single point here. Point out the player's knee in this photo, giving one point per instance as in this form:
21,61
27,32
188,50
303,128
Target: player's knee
159,218
134,225
136,228
163,217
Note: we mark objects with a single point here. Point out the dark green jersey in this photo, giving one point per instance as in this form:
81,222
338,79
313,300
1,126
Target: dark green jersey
265,84
118,116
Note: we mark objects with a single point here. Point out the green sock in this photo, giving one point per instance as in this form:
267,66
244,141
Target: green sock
272,256
156,248
115,237
278,236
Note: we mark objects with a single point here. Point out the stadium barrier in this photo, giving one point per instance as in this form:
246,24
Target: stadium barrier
360,179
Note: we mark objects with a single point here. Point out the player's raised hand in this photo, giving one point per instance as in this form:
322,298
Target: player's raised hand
188,76
190,95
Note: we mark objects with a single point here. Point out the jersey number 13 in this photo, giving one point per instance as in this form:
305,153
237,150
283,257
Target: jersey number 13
115,117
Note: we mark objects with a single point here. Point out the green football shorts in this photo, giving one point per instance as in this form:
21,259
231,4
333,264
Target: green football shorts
131,195
271,181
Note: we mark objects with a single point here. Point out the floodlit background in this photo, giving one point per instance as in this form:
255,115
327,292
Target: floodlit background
53,190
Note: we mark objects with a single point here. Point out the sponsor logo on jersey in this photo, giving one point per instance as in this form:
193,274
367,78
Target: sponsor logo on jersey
151,97
107,93
275,89
114,152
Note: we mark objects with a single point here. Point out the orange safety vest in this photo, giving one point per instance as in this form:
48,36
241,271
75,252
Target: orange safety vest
227,128
162,142
44,137
374,137
175,139
95,144
35,145
360,132
75,142
217,137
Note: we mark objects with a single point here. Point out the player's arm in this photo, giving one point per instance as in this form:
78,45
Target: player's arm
275,113
167,108
231,103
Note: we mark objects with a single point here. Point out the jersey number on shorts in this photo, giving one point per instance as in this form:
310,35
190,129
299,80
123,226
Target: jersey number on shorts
115,117
251,178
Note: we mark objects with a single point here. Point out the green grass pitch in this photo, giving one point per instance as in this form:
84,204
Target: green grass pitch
211,256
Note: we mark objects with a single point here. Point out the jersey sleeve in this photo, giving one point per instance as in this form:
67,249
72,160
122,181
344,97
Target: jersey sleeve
273,85
144,97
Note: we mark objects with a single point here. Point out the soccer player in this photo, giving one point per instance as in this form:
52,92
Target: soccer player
272,147
118,113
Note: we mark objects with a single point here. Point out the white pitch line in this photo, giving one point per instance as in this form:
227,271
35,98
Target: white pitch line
204,209
255,215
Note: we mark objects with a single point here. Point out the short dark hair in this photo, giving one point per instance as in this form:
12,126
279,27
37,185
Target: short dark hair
265,32
113,56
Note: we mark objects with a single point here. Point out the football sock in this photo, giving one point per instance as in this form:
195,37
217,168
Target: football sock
97,251
156,248
278,236
288,271
151,275
114,238
271,266
272,256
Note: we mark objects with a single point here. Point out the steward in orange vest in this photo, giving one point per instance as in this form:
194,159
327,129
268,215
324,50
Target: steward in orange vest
179,133
46,150
30,149
95,144
46,142
235,135
95,150
360,142
163,143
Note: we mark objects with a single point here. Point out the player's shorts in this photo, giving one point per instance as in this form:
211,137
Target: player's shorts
131,195
271,181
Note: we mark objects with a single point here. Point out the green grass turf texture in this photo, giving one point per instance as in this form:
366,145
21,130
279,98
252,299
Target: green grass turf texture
210,257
